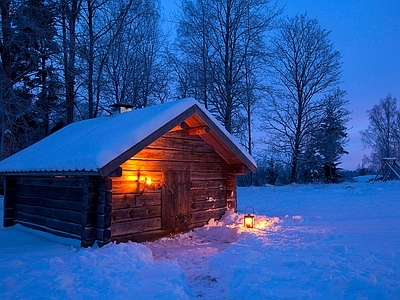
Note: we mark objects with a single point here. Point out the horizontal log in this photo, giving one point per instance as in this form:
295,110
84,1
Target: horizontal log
71,194
140,175
136,226
135,200
205,194
61,181
136,213
209,184
152,165
46,202
208,176
122,187
205,216
55,224
208,204
178,155
199,130
181,134
50,230
59,214
142,236
183,144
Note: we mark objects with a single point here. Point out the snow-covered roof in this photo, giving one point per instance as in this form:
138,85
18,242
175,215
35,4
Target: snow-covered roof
90,145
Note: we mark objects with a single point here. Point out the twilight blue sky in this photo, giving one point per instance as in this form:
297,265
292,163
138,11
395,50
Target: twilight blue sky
367,34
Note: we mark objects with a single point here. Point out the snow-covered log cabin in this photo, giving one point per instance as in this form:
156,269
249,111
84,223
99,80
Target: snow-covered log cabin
138,176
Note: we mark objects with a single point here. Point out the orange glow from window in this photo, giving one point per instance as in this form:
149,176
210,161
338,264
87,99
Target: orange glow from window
131,178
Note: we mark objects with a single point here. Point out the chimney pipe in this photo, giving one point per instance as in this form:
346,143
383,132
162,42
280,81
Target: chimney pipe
119,108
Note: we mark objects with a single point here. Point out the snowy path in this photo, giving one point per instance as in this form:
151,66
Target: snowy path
193,251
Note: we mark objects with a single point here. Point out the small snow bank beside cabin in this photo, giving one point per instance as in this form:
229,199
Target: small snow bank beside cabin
309,242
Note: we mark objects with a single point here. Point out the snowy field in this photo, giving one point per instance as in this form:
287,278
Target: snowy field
311,242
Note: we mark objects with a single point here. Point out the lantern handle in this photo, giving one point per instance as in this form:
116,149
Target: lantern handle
245,210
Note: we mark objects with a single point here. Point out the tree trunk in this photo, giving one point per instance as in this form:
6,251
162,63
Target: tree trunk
69,18
90,59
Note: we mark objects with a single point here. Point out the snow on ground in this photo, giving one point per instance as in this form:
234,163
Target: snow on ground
310,242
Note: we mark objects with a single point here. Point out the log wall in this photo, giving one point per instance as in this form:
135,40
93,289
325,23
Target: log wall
137,210
61,205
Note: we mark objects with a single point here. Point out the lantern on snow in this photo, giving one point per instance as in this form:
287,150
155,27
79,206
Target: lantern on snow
249,218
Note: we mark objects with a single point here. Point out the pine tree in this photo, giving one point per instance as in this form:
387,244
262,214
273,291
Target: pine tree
327,141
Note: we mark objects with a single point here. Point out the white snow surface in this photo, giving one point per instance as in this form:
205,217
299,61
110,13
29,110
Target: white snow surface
310,242
90,144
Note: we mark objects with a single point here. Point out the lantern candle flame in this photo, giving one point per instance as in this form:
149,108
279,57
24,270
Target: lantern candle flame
249,218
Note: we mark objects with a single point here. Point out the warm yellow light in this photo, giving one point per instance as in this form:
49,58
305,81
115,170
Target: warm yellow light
148,181
131,178
249,221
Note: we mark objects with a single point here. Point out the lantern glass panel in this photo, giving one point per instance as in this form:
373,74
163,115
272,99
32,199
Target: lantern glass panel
249,221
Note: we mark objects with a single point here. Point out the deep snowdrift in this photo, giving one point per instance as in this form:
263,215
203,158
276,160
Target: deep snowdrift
311,242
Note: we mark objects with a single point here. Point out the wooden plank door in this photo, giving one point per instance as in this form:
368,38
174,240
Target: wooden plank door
176,200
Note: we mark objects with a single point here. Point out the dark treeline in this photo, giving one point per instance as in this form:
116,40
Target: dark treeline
271,81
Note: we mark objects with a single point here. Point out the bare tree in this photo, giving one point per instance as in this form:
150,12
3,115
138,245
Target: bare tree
103,21
221,37
193,43
134,64
383,132
5,68
70,10
304,64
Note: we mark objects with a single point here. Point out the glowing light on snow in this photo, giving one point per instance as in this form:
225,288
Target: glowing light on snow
267,223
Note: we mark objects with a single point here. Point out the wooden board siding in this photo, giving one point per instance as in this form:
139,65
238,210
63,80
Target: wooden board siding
144,212
60,205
